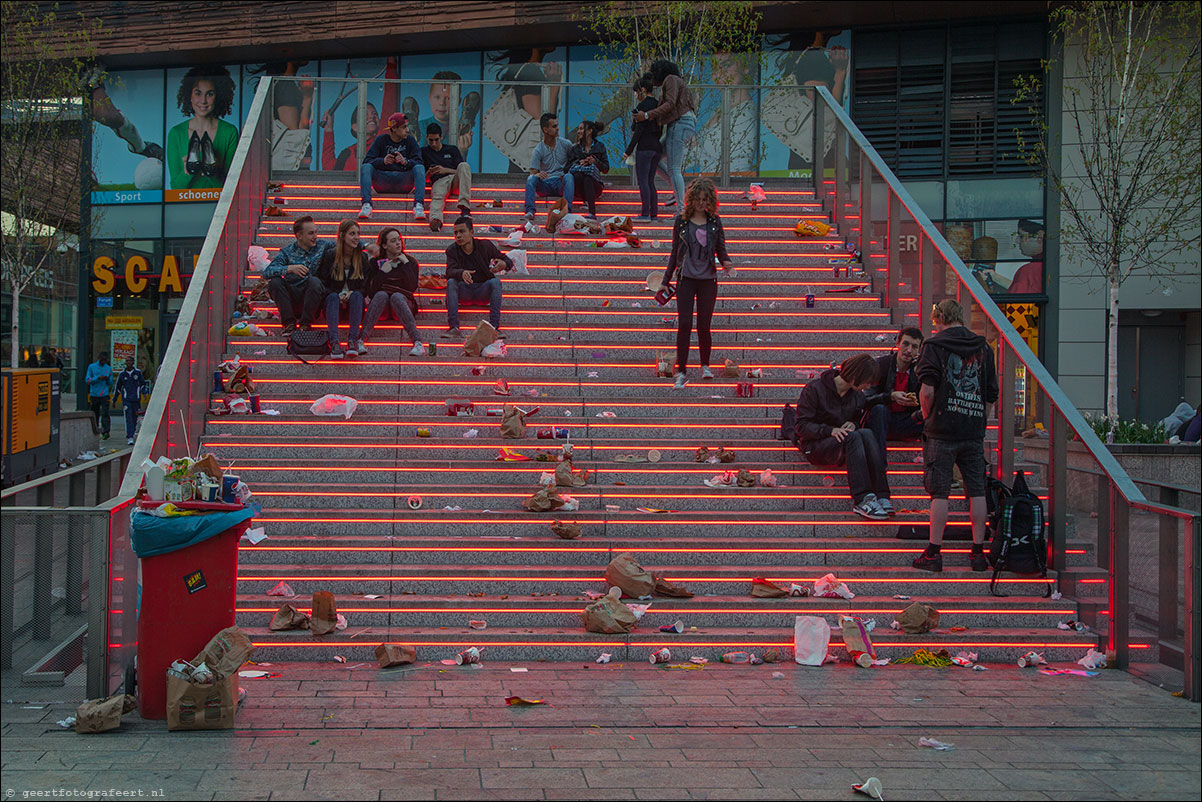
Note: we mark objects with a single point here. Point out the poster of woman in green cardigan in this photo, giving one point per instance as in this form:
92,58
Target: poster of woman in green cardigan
200,149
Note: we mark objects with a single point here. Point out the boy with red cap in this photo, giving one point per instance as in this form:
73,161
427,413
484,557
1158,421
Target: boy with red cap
393,163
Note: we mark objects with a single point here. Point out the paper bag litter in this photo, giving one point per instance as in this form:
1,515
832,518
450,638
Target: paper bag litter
625,572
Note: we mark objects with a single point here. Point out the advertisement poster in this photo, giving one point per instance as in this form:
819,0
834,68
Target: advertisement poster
127,137
123,343
426,99
511,111
797,60
293,127
1006,256
338,103
704,153
203,114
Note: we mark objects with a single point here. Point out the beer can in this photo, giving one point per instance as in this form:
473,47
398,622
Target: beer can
809,302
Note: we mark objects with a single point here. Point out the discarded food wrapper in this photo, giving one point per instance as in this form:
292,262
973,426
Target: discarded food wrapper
639,610
700,661
607,414
798,590
478,624
829,587
677,627
471,434
282,589
763,589
778,675
966,659
1073,625
901,596
333,405
1057,596
1031,659
254,535
468,656
937,745
917,619
395,654
1093,659
660,656
518,701
604,657
766,478
870,787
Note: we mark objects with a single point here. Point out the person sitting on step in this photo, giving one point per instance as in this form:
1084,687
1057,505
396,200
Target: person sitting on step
548,164
393,163
447,171
893,410
392,284
827,434
292,276
343,272
586,163
472,268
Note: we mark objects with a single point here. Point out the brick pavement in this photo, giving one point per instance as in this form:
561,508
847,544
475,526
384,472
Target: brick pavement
634,731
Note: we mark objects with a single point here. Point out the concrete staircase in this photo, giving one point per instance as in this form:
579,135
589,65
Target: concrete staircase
583,336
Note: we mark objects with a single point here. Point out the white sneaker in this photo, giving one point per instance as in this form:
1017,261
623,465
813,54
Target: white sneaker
706,373
129,441
419,212
680,382
365,212
360,347
418,349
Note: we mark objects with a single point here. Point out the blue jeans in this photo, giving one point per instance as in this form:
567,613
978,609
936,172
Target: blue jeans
489,290
392,182
645,164
131,416
354,314
884,422
400,309
565,186
679,133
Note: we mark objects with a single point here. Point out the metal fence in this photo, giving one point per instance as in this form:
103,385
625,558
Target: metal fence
54,535
875,212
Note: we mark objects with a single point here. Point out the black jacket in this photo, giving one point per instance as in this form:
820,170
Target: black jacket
400,278
959,365
476,262
886,372
325,272
579,151
821,410
716,239
646,135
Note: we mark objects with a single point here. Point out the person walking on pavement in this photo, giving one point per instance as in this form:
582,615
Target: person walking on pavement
129,391
99,378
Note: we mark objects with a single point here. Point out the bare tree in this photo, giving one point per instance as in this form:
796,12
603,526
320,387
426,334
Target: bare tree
42,127
1130,200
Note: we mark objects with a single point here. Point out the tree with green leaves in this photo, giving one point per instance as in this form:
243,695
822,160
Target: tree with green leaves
1128,176
46,72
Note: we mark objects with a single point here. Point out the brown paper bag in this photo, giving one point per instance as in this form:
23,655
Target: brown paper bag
726,456
625,572
226,652
666,587
918,618
763,589
483,336
730,370
201,707
568,530
395,654
288,617
855,637
609,616
324,616
240,382
260,291
566,477
744,478
102,715
513,423
545,499
206,465
701,454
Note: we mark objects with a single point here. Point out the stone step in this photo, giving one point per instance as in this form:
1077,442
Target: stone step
572,644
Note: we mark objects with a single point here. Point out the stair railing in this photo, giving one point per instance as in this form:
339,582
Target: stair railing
1142,544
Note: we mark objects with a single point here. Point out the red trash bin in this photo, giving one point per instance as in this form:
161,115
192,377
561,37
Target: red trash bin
186,597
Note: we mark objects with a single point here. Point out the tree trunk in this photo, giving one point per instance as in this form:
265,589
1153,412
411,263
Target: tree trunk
1112,346
15,351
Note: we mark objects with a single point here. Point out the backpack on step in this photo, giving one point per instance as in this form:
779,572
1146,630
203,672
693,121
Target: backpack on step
1017,523
309,342
788,425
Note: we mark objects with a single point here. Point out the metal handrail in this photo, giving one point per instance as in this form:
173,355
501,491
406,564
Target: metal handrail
1122,480
66,473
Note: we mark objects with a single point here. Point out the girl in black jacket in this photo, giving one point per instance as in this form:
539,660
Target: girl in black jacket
647,149
343,271
697,237
827,412
587,161
391,283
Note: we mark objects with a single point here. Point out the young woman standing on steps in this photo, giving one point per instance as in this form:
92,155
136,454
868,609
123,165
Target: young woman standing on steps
697,238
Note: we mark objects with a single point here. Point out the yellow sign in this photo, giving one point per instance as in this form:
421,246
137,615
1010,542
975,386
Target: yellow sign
123,322
137,274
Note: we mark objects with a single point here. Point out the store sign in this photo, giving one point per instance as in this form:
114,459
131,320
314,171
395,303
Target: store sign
136,274
104,302
113,322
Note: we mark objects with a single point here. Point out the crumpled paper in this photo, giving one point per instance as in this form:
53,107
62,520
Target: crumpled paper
830,587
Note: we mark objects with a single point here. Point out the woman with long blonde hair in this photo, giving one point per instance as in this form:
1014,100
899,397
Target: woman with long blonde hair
697,238
343,271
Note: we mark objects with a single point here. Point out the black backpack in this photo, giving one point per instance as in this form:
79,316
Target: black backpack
788,425
309,342
1017,523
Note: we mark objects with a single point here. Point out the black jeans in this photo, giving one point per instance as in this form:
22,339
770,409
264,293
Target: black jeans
589,190
99,405
886,423
287,297
859,452
645,162
705,293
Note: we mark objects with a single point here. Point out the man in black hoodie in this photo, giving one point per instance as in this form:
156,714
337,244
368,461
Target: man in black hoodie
959,389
